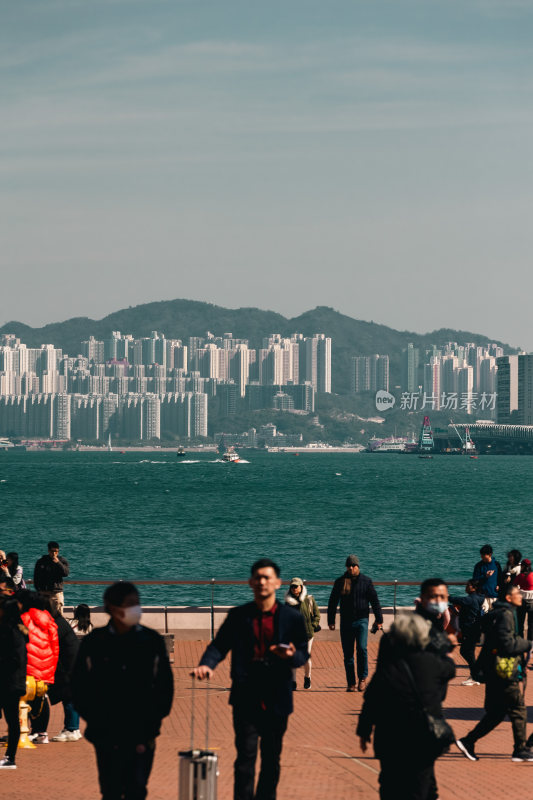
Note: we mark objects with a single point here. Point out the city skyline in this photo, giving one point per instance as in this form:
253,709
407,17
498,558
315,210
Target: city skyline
372,157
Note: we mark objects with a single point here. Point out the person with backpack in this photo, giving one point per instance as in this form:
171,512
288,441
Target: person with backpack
470,608
501,666
305,603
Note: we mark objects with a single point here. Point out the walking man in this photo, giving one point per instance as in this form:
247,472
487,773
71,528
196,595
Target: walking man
356,593
488,573
122,686
267,640
502,662
470,607
50,571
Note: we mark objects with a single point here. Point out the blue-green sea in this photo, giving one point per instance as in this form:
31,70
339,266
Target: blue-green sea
153,516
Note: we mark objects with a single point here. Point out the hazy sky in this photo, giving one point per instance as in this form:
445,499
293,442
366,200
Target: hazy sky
372,156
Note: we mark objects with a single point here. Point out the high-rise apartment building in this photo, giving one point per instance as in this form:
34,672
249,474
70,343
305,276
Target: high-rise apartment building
507,389
525,389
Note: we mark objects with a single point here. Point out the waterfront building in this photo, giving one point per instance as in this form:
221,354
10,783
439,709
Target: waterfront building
525,389
507,389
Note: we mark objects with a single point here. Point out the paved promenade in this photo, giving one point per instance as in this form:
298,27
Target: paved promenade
321,756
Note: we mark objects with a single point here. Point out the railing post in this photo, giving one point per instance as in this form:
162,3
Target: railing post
166,620
212,609
395,587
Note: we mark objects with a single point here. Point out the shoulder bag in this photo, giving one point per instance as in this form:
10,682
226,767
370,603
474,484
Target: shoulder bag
439,733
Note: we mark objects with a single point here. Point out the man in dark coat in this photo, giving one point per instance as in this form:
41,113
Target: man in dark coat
501,664
48,576
267,640
61,691
12,674
122,686
356,593
393,709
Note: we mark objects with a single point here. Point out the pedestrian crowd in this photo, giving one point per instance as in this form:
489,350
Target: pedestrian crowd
46,659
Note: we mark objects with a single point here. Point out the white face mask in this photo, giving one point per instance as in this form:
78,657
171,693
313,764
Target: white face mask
437,607
131,615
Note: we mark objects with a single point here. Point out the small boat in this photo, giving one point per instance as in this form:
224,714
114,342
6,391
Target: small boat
180,452
425,456
231,456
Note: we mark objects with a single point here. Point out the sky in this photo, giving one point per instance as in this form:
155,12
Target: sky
367,155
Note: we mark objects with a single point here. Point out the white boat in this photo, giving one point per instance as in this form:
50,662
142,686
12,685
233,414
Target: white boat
230,456
5,444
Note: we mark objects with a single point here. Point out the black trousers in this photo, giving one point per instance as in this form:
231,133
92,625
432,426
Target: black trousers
10,706
406,781
468,645
39,714
123,772
250,726
502,700
525,612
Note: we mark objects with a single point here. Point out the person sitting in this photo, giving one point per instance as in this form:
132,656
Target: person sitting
81,624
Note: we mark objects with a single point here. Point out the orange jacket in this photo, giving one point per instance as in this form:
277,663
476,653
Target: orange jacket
43,644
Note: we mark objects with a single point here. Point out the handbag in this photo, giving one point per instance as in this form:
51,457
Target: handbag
439,733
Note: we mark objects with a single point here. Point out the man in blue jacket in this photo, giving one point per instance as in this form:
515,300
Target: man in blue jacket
488,573
267,640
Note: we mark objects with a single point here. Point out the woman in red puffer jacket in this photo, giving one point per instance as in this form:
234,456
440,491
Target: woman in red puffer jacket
43,651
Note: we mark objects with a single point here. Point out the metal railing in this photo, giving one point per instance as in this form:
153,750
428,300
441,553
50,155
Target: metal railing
212,582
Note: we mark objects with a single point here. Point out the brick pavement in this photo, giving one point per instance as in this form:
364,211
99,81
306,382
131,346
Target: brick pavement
321,756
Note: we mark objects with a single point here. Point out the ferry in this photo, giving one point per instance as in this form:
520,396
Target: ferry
5,444
390,445
230,456
180,452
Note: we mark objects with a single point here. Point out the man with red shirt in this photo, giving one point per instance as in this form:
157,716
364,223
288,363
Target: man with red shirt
267,641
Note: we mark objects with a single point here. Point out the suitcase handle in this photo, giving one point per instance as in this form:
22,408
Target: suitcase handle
208,692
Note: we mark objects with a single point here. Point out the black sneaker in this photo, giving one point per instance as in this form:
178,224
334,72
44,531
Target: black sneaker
522,755
307,683
466,749
7,763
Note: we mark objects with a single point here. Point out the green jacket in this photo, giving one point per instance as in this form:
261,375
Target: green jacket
306,605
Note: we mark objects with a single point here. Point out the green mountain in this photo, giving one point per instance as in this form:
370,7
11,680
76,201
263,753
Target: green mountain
179,319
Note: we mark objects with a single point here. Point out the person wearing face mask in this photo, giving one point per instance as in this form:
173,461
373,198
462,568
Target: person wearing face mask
433,605
122,672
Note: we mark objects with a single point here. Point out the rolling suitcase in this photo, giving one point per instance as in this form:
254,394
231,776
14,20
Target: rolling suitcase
198,769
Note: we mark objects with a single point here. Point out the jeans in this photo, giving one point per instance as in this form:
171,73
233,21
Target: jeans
355,634
502,699
72,718
250,726
123,772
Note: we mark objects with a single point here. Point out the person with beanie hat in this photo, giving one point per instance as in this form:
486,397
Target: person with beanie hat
305,603
356,593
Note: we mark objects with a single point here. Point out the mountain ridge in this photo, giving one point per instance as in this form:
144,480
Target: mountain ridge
180,318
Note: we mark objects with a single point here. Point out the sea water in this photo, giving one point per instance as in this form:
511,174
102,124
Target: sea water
152,515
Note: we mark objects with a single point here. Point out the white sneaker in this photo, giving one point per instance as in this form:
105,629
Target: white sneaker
6,763
67,736
471,682
38,738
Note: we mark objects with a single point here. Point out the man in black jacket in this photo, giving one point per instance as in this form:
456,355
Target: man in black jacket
122,686
355,592
502,662
267,640
48,575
